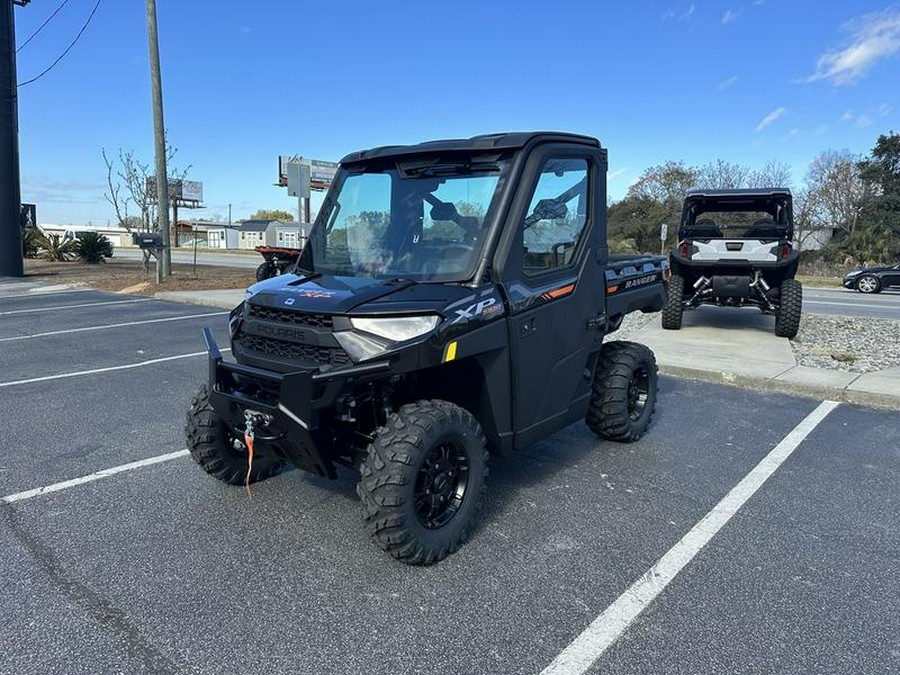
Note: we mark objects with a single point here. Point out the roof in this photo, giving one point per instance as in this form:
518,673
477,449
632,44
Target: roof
502,141
257,225
742,193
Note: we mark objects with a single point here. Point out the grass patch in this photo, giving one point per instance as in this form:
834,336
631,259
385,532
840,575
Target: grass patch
808,280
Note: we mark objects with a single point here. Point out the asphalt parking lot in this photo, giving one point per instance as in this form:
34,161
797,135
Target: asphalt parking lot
591,556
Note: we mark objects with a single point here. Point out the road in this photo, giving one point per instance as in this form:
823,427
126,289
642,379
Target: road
843,302
117,554
250,260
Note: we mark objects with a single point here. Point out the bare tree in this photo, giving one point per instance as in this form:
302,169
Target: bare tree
664,184
128,181
837,191
722,175
773,174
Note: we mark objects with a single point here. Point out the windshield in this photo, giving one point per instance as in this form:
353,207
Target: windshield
424,220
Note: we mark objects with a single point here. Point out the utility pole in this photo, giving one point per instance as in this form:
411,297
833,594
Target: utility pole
159,134
10,189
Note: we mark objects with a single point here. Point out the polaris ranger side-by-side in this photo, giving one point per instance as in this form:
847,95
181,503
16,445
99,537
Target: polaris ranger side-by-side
736,248
452,298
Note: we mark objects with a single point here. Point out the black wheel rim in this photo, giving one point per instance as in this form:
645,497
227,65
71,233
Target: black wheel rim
638,392
441,484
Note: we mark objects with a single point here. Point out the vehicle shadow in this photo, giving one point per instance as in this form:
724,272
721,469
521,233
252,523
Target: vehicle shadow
730,318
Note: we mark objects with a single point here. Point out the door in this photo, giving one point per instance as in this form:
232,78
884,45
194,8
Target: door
557,291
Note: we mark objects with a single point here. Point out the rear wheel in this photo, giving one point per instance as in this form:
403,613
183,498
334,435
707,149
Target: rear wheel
218,450
423,481
624,392
266,271
868,284
790,305
674,309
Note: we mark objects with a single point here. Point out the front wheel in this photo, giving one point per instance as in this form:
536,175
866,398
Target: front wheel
423,481
674,310
218,451
868,284
790,306
624,389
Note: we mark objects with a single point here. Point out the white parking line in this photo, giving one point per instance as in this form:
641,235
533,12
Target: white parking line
105,473
111,325
585,649
79,306
108,369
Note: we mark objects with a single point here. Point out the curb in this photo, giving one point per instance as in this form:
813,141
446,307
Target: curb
175,296
768,384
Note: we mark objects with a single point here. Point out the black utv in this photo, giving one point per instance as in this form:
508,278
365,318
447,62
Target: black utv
735,249
452,299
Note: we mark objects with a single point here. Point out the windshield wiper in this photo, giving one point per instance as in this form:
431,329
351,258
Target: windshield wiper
447,169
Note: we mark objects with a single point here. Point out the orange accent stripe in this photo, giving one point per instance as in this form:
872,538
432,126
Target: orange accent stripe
559,292
612,289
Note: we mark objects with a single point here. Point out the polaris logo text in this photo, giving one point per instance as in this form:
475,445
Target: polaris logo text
278,332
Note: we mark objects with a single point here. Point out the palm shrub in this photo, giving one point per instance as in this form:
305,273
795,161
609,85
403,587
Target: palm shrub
92,247
56,249
31,242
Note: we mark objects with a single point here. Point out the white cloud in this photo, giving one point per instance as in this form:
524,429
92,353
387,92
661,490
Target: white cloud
863,121
245,30
873,37
727,82
686,15
771,117
883,110
730,16
615,174
847,116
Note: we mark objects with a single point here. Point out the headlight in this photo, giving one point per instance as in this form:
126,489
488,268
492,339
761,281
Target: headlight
397,329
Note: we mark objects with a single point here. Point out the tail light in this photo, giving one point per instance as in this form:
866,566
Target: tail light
785,251
684,249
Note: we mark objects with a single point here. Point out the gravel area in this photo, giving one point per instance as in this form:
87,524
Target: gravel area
631,324
853,344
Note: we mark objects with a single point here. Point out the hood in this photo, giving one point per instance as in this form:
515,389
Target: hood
322,294
866,270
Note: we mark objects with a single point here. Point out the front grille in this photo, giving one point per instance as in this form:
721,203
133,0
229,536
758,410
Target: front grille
287,316
309,354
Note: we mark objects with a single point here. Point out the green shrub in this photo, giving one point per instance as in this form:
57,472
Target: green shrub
56,249
92,247
31,242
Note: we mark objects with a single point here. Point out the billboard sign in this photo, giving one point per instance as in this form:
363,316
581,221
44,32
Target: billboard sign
184,192
321,172
191,190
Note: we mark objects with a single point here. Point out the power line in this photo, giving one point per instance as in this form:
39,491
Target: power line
61,56
35,33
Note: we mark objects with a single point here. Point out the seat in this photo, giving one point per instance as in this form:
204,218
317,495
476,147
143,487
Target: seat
765,228
703,229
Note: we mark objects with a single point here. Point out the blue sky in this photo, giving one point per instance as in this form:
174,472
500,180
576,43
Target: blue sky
746,81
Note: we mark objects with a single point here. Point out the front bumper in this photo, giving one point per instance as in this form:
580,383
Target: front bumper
293,402
850,282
